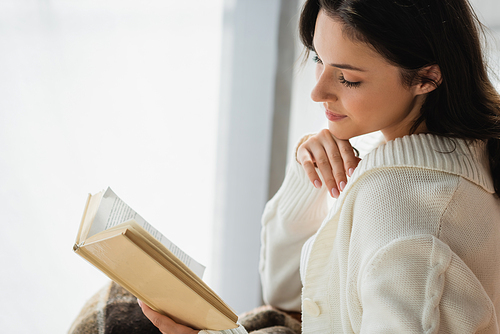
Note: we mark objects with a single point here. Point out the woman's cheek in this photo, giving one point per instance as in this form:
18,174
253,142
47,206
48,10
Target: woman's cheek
354,103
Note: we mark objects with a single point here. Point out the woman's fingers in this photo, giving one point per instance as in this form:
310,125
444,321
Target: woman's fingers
336,174
164,323
305,158
313,158
344,160
335,159
328,161
349,156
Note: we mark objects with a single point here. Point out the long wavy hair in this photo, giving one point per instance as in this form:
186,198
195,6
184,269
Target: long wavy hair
413,34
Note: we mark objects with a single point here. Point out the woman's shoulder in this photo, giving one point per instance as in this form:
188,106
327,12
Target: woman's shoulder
415,195
404,193
426,158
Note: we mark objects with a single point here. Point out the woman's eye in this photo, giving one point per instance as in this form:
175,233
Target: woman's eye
317,60
348,84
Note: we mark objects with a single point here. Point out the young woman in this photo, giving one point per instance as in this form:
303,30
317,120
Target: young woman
412,243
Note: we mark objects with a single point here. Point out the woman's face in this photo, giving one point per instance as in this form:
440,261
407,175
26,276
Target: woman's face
360,90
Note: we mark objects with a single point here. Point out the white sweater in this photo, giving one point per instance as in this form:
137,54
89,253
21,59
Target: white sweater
412,245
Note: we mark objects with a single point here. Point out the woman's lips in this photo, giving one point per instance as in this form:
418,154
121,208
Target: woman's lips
333,117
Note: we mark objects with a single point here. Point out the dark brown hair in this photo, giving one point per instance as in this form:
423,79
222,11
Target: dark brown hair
413,34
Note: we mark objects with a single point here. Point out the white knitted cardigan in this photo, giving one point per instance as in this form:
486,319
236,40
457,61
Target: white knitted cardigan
412,245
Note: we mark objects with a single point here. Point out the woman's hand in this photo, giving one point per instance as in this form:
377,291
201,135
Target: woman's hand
334,158
164,323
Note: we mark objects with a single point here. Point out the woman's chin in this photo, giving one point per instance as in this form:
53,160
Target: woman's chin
342,135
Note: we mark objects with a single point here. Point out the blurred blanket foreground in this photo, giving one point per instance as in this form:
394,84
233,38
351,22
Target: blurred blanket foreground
113,310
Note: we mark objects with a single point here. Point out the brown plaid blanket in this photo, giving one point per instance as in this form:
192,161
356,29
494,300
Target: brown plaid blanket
113,310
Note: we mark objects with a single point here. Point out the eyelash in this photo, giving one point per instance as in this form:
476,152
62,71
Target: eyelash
348,84
317,60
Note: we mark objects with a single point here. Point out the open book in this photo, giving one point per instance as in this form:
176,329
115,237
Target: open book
120,243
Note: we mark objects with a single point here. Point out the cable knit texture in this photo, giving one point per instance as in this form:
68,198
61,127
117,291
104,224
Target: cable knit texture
411,245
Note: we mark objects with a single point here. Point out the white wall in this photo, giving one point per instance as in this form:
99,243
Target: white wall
488,12
249,52
96,93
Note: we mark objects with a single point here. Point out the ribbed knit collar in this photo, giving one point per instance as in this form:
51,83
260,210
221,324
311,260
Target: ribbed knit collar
445,154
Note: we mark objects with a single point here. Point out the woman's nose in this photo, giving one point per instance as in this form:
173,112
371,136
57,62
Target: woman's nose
324,90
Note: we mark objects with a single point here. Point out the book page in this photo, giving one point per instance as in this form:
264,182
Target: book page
113,211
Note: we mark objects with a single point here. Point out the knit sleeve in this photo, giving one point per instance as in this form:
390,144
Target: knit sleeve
290,218
238,330
418,285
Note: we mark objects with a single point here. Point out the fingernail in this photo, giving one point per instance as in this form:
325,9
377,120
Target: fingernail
139,302
342,185
335,193
351,170
317,184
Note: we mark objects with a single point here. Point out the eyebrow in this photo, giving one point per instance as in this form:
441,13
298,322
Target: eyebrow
341,66
347,67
